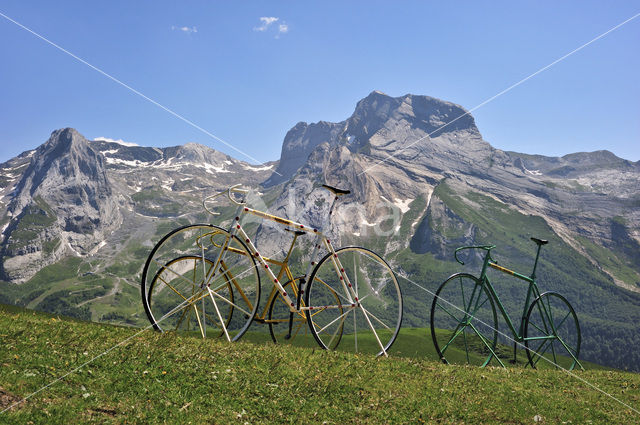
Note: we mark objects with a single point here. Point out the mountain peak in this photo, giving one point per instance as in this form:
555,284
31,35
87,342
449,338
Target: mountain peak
66,150
380,116
62,139
432,115
64,159
64,198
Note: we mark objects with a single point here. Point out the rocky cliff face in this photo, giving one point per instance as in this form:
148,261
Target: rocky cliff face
392,151
298,143
63,203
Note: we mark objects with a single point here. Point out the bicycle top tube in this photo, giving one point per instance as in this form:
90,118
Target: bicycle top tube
489,261
242,202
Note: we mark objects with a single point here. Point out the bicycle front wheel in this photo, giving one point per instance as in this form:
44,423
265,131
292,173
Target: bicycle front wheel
552,332
181,291
173,285
354,294
464,323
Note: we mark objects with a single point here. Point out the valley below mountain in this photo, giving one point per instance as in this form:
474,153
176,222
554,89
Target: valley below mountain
79,217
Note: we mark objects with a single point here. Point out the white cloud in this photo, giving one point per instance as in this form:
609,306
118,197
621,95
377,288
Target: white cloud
188,30
266,22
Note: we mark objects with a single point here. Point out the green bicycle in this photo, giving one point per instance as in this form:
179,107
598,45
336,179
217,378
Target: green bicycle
464,321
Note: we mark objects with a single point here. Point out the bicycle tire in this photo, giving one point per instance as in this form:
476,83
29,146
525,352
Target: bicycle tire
464,322
549,337
375,307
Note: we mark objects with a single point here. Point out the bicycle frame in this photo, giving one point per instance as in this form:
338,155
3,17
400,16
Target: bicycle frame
284,271
532,293
531,280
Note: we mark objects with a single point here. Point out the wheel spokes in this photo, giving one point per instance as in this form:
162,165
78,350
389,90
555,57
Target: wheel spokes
551,319
462,311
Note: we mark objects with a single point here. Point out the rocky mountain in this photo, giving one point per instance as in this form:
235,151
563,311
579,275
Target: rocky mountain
70,195
63,203
423,182
396,150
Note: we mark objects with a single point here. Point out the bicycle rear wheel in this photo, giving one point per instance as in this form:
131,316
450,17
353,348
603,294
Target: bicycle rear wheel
464,323
552,332
354,295
181,291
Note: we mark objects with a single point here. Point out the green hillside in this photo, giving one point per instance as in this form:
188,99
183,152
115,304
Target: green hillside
164,378
105,288
608,314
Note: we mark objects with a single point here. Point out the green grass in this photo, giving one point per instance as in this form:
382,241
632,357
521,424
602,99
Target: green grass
610,262
50,246
154,202
167,378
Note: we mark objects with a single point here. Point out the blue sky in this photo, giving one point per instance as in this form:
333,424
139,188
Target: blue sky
211,63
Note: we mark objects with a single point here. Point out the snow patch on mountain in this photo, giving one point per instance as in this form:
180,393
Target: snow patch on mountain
119,141
258,168
403,205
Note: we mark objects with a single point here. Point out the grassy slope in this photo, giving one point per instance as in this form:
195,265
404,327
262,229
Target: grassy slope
163,378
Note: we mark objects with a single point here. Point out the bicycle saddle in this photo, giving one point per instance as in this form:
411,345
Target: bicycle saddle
336,191
540,241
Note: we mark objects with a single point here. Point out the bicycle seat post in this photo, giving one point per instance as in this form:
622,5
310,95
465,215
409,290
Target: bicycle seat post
337,193
538,242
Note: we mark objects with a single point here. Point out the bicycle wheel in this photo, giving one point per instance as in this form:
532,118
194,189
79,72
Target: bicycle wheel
279,319
464,323
552,332
354,294
176,282
181,292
